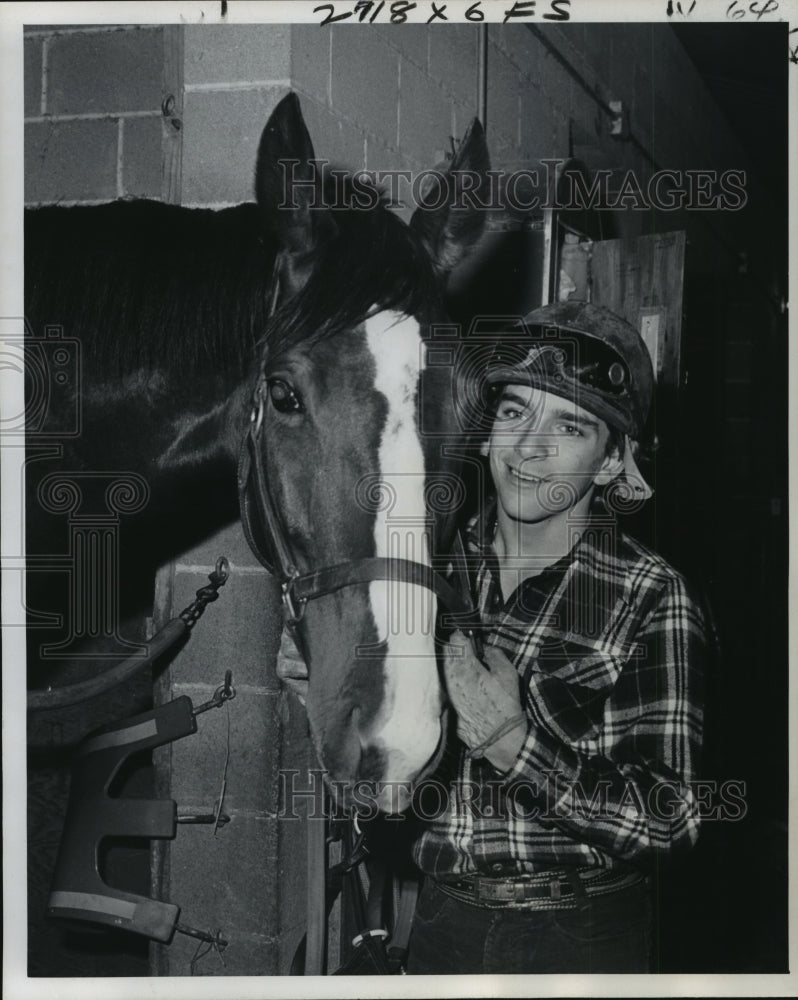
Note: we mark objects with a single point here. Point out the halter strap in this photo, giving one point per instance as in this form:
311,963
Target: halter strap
325,581
270,522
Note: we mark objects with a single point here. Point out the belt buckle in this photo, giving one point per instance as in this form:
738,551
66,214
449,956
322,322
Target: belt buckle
494,892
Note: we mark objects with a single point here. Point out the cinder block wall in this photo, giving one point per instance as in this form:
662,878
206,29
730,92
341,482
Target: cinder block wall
93,124
387,98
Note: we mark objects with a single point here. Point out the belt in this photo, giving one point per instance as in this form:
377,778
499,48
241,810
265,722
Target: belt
556,889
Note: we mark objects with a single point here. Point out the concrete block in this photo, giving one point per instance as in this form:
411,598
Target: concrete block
141,157
342,143
453,59
246,954
240,631
227,881
627,45
310,61
228,541
537,124
504,151
589,123
597,48
569,41
504,87
232,53
364,82
221,132
70,161
32,57
520,46
105,71
560,134
198,761
425,116
410,40
555,81
380,157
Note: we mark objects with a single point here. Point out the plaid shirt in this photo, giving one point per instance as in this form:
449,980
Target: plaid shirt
608,644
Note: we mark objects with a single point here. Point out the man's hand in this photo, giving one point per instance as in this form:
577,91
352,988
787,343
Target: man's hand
291,668
484,699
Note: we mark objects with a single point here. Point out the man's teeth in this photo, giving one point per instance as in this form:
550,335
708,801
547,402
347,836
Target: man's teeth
524,478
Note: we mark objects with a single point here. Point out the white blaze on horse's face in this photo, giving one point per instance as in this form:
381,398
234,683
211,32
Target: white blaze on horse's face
407,728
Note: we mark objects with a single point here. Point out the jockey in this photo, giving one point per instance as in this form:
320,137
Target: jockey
581,724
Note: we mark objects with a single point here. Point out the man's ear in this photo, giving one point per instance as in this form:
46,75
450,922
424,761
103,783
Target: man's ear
484,449
610,469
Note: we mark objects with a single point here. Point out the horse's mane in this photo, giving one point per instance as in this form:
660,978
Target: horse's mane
371,262
149,285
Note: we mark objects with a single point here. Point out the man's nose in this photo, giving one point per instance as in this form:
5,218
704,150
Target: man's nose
531,444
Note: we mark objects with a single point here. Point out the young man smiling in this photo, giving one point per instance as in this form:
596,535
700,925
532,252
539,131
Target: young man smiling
581,723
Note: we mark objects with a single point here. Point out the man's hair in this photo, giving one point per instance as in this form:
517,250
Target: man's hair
615,442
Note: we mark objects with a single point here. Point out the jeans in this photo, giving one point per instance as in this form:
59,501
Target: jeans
612,935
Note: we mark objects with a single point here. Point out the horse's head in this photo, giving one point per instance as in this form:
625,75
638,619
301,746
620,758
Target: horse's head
353,423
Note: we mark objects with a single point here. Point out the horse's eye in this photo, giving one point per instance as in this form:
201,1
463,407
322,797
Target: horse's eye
284,398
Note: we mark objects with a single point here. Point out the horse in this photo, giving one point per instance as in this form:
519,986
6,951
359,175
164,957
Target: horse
320,303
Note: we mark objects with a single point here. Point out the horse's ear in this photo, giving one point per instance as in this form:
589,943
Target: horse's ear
451,228
288,184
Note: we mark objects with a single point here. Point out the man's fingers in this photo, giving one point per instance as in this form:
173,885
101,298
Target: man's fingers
502,668
458,656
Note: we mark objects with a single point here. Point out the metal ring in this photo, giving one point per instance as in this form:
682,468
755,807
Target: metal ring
376,932
222,569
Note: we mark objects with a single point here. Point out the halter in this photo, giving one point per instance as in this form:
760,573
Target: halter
275,553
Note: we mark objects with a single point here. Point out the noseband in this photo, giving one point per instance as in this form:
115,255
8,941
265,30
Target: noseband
258,509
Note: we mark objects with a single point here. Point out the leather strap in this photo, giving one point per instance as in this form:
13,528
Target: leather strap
316,895
358,571
398,945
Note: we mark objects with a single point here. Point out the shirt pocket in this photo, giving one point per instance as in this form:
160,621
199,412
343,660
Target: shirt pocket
575,658
570,679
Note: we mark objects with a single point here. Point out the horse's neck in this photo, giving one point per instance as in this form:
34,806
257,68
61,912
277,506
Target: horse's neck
212,433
